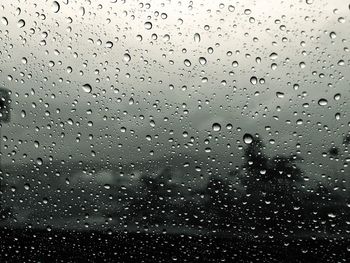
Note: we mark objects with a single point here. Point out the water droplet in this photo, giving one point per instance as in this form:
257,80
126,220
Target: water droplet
202,60
39,161
231,8
309,2
109,44
26,187
273,56
322,102
235,64
279,95
341,62
216,127
21,23
23,114
82,11
148,25
337,116
107,186
197,38
247,138
253,80
187,63
126,57
332,35
55,7
331,215
337,96
4,21
87,88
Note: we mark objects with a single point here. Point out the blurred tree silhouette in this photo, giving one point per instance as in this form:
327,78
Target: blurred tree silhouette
346,139
153,200
220,205
334,151
271,194
5,212
256,165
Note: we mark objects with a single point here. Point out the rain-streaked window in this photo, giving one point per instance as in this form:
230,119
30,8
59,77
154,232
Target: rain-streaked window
174,131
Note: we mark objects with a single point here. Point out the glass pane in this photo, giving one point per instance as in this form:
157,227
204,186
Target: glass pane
174,131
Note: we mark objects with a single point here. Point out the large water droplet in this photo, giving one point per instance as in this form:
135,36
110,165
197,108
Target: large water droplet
4,21
337,96
247,138
126,57
253,80
55,7
148,25
87,88
39,161
21,23
322,102
332,35
202,60
273,56
109,44
216,127
187,63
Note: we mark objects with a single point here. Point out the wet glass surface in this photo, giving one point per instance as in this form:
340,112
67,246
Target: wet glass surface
186,131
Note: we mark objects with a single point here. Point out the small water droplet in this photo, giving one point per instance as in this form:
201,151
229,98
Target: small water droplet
231,8
82,11
279,95
197,38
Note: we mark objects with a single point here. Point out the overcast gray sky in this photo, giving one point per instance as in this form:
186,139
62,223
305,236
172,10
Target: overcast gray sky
140,79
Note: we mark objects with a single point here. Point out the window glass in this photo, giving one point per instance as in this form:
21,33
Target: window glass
174,130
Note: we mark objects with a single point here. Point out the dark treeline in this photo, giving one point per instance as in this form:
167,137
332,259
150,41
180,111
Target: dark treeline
269,197
265,195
